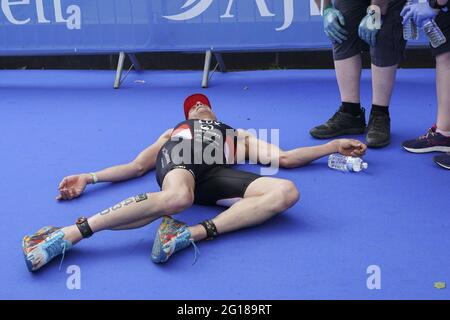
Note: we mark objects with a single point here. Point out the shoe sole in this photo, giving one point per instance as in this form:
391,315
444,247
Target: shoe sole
340,133
28,263
442,165
157,247
427,150
378,145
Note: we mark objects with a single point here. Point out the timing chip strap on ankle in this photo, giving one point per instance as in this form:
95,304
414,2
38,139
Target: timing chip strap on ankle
84,227
211,230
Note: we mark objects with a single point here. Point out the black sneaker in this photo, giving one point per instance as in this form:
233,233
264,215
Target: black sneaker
443,160
432,141
378,130
339,124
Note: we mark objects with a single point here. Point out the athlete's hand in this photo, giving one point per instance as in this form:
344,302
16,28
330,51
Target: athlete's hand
333,20
72,186
350,147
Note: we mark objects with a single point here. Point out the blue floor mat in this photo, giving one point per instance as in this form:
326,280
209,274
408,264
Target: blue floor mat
396,215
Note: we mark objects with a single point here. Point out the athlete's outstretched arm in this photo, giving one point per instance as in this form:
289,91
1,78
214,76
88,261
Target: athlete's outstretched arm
303,156
74,185
260,151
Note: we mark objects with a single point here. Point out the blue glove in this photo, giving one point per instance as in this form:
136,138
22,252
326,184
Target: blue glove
368,28
333,20
419,12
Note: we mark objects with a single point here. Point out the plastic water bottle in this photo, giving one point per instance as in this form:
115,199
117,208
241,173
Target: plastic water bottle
410,30
434,33
343,163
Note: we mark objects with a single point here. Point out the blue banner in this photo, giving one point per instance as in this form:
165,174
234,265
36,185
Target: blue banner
105,26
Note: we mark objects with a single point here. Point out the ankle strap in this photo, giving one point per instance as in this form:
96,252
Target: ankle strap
83,226
211,230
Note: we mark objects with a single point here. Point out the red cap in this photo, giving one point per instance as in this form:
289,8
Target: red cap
190,101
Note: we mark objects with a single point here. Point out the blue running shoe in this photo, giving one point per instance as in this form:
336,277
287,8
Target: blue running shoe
41,247
172,236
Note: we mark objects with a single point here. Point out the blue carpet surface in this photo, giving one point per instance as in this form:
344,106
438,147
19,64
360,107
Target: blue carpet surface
395,215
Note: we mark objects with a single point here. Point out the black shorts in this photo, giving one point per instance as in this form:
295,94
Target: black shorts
214,184
443,21
390,46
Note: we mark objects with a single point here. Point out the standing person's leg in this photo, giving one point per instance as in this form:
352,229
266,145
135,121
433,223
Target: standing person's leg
349,119
438,136
176,195
383,81
385,58
348,75
443,119
442,55
379,126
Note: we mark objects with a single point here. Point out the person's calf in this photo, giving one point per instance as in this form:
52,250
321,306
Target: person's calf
72,234
383,81
442,85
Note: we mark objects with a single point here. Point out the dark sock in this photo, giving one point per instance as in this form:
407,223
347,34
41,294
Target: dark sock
379,109
352,108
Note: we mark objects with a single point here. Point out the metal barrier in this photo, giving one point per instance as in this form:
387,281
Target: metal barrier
55,27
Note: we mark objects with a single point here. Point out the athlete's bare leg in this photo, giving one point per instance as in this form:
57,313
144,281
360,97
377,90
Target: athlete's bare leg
177,194
264,198
443,92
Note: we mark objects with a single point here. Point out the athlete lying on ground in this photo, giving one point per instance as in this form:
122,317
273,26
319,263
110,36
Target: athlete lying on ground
193,163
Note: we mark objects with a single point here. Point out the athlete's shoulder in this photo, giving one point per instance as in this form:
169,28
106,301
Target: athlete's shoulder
227,126
184,122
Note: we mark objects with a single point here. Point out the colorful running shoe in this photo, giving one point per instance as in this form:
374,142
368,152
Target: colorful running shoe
41,247
432,141
172,236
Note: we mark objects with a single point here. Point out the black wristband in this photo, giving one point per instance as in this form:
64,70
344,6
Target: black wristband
211,230
84,227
